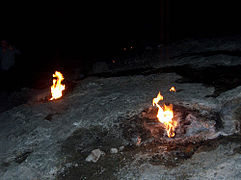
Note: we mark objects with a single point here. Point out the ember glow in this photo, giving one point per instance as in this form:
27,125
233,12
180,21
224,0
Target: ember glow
165,115
173,89
57,87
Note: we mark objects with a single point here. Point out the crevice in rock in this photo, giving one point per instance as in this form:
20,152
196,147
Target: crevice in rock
22,157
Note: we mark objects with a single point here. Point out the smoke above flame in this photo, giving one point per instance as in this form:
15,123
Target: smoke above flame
165,115
57,87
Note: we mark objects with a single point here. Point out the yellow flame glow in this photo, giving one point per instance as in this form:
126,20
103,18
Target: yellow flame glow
173,89
57,87
165,115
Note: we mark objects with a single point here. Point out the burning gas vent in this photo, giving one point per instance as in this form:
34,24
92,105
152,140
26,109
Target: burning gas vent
57,87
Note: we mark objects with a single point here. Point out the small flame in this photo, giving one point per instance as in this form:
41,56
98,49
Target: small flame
157,99
172,89
57,87
165,115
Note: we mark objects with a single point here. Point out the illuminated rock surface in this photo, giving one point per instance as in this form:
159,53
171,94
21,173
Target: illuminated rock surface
51,140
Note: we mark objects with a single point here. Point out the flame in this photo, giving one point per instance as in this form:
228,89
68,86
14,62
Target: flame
173,89
165,115
57,87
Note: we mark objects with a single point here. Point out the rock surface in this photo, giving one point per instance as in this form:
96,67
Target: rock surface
45,140
113,150
95,155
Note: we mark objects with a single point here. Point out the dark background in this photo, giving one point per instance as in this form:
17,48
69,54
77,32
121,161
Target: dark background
52,36
95,28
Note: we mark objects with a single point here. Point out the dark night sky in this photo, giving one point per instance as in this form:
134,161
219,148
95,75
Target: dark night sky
94,27
95,21
86,25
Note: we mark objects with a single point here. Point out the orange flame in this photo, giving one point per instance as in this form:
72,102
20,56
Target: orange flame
165,115
57,87
173,89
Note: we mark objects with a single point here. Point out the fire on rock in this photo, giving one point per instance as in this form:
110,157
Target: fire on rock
57,87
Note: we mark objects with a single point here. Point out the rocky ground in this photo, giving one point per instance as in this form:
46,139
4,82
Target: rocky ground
107,112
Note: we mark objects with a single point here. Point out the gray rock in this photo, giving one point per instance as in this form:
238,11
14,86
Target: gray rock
230,105
101,102
95,155
113,150
121,148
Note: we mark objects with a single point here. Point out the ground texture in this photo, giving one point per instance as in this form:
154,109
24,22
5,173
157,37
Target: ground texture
41,139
